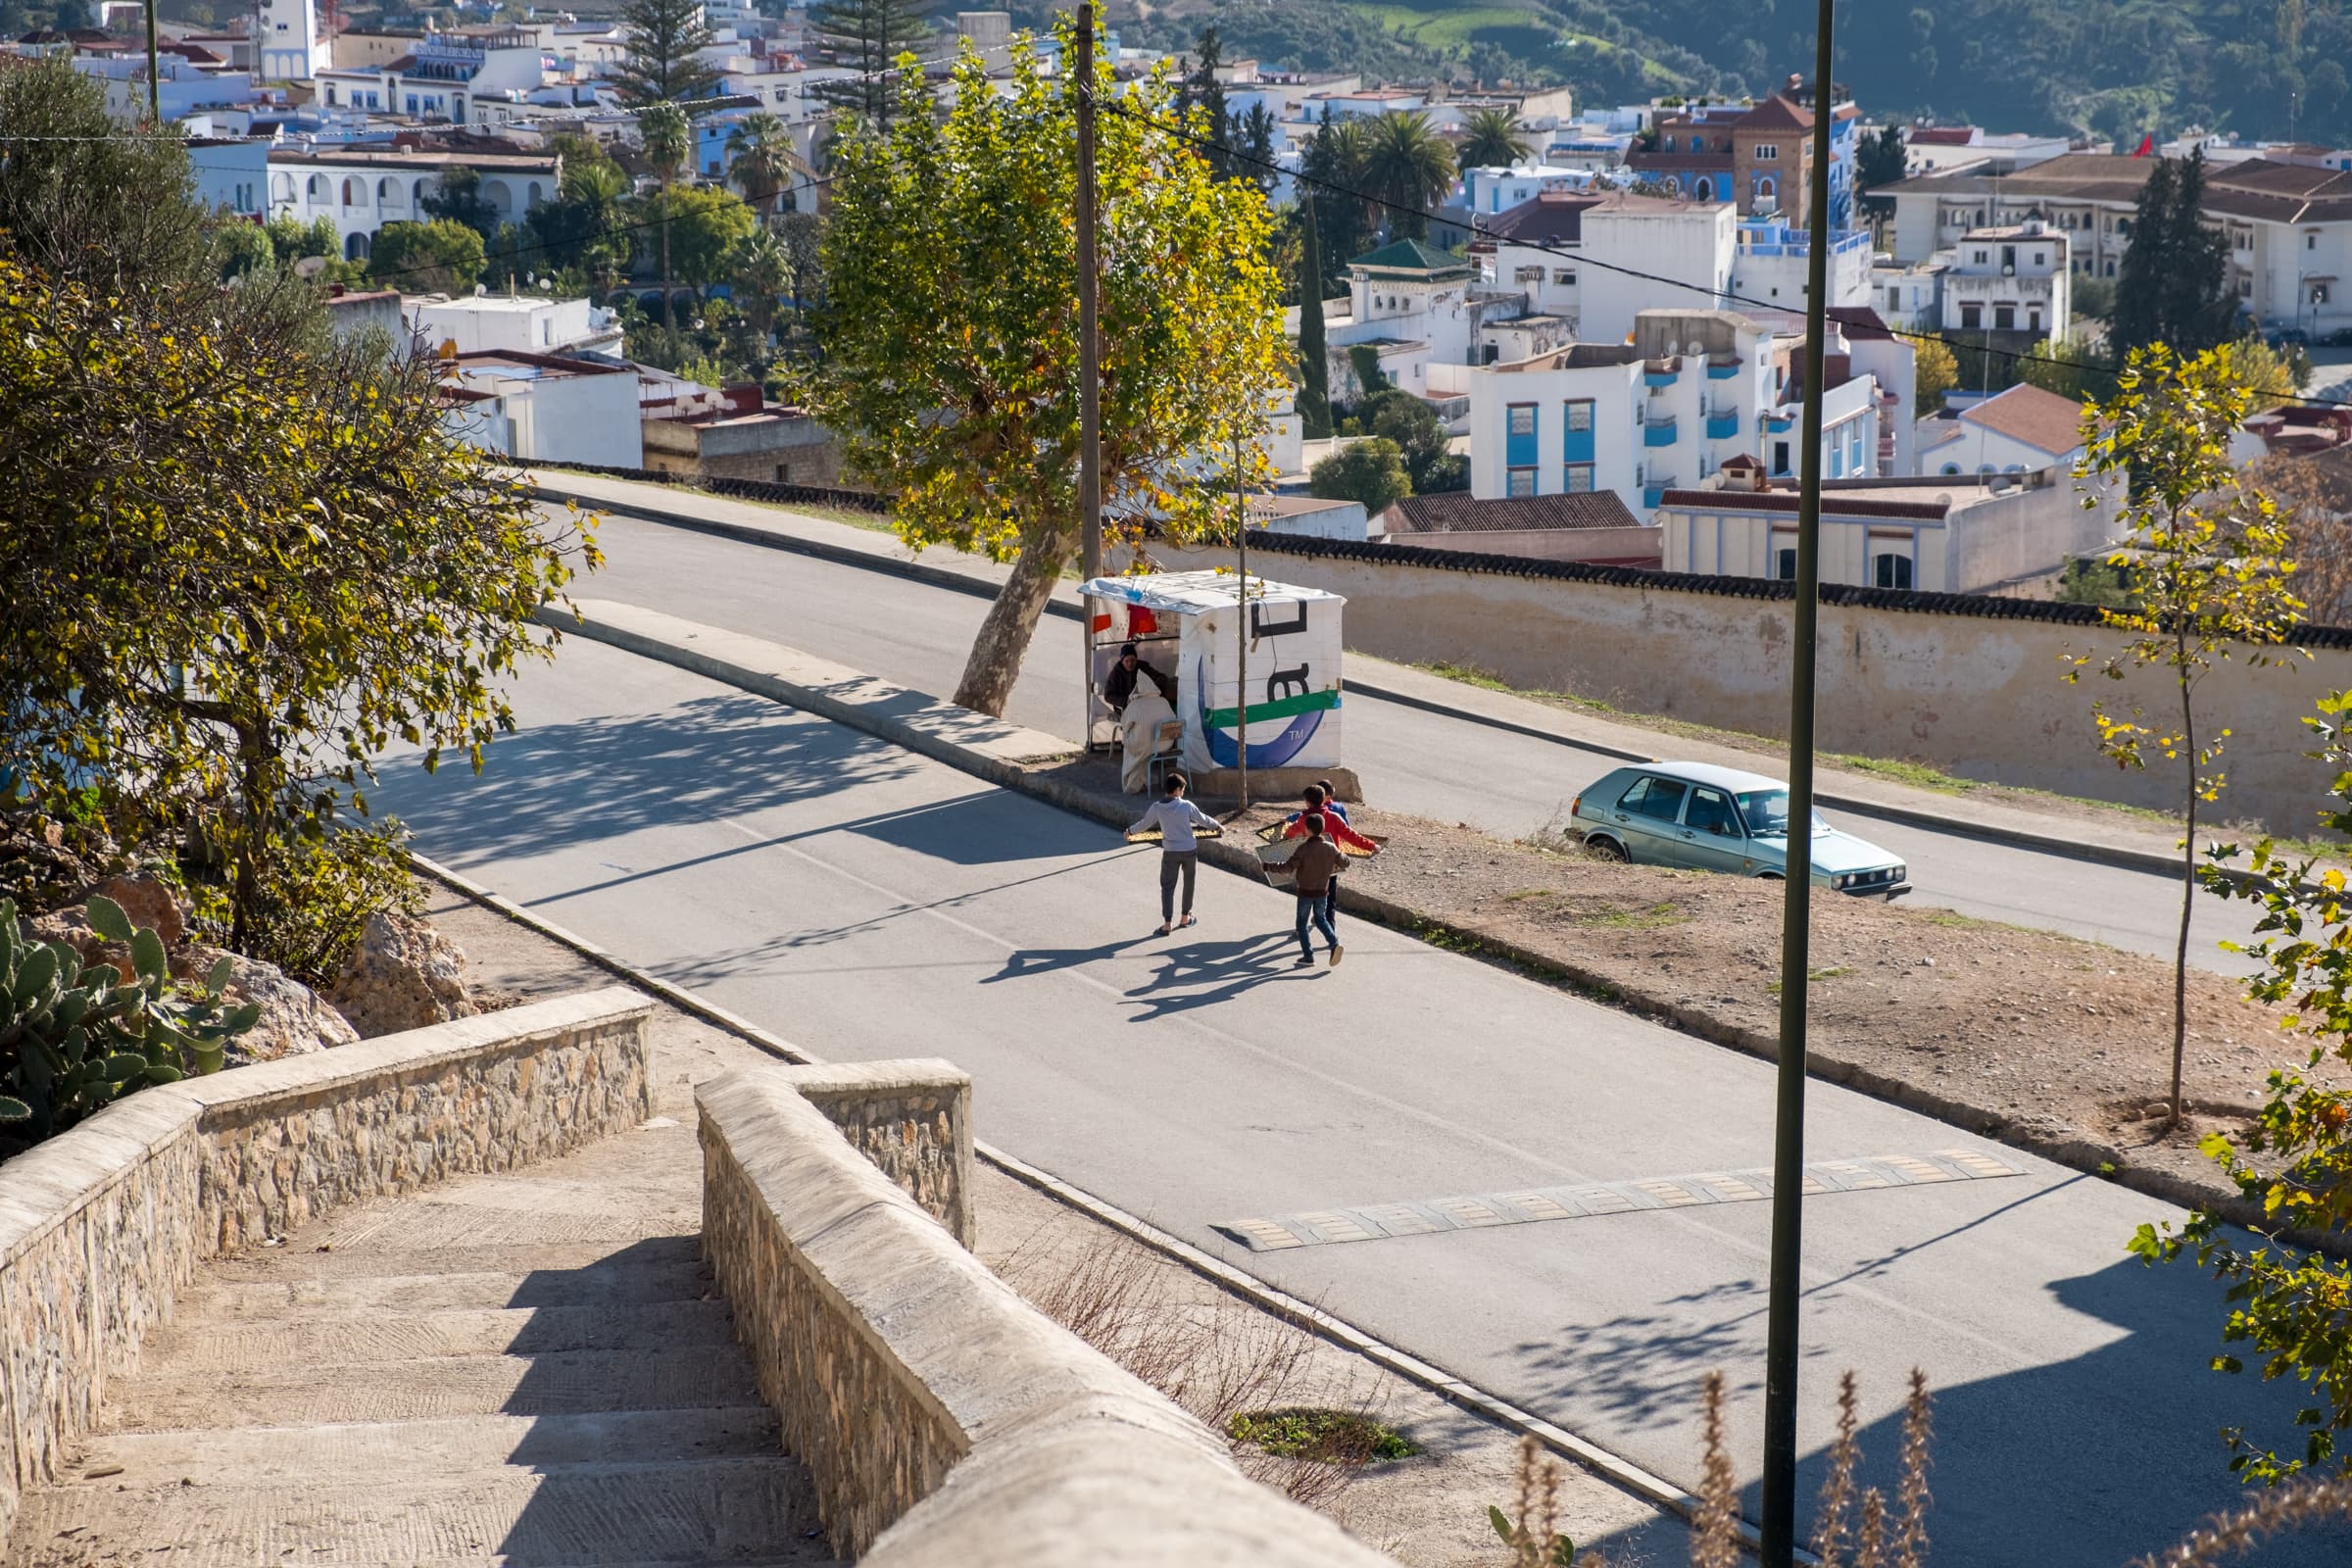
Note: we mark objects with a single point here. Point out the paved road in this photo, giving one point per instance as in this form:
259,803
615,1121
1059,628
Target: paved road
1411,759
871,904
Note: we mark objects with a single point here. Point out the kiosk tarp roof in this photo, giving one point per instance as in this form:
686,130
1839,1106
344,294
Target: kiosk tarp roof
1190,593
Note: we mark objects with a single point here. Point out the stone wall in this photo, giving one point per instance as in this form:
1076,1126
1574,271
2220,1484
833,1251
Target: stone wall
1973,685
914,1120
102,1225
946,1422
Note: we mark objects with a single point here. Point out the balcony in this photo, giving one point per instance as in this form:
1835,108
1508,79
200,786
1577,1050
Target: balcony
1662,372
1655,487
1722,423
1660,432
1723,370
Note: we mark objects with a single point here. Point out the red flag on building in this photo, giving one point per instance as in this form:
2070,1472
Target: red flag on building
2147,146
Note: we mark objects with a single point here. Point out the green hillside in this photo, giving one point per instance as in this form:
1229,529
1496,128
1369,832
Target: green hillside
2110,68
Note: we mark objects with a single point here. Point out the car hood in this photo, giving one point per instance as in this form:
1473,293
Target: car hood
1835,852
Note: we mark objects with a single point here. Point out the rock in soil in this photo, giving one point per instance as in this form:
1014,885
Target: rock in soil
402,975
295,1019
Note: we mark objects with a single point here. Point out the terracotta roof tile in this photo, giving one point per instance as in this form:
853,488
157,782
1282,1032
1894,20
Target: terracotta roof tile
2042,419
1458,511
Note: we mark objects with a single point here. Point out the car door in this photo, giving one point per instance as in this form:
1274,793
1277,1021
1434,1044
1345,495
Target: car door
1649,815
1710,836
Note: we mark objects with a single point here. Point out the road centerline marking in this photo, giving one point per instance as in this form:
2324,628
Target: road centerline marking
1428,1216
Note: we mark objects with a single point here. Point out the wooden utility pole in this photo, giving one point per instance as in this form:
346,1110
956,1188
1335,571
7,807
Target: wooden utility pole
1090,361
155,92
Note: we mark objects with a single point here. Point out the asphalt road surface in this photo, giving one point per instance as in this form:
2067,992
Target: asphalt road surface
1411,759
870,904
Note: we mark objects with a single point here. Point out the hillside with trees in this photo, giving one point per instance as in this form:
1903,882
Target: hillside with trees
2109,68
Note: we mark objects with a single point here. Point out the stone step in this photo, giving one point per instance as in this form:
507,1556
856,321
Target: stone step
579,1516
557,1383
454,1446
278,1264
198,1346
282,1298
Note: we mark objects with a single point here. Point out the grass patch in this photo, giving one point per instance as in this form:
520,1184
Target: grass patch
1918,775
1446,27
1519,893
1812,977
1649,919
1322,1436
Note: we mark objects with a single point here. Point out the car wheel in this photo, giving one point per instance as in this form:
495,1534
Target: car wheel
1606,850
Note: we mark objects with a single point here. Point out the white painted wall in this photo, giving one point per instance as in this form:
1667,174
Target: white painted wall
1693,248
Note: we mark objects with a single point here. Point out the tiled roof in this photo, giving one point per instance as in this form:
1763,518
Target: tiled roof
1941,136
1409,256
1559,217
1458,511
2043,421
1776,113
1786,501
2286,193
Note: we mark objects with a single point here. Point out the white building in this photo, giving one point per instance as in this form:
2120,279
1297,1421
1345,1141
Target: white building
1694,390
294,47
1925,535
363,191
1909,296
2021,430
509,323
542,408
441,77
2288,223
1946,149
2014,278
1644,252
1773,267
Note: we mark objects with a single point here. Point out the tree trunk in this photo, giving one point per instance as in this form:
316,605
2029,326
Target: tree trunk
2188,893
1005,634
665,312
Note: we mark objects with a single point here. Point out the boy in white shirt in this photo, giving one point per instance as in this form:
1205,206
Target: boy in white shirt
1180,823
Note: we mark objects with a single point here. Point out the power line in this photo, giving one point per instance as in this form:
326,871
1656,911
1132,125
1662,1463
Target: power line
1582,259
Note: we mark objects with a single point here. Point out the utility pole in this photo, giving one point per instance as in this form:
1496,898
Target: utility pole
1785,1272
1090,353
1241,638
155,94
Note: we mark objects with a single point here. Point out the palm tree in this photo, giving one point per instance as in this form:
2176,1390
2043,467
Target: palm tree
669,138
1493,138
762,273
599,190
760,157
1409,169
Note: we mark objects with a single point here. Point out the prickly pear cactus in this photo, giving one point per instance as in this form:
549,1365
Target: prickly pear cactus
76,1036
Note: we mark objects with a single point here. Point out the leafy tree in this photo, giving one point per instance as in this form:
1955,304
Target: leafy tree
2315,502
1201,104
762,272
759,156
442,256
1370,471
708,227
298,565
2175,284
79,199
2093,297
2295,1162
801,237
1407,169
2055,366
586,225
1332,166
1934,372
457,197
1880,158
664,61
2272,374
950,368
1421,442
867,36
1315,360
667,136
1492,138
1252,142
243,248
290,239
2210,567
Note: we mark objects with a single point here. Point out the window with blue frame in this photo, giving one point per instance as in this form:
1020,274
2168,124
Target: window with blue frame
1576,479
1521,482
1519,436
1576,425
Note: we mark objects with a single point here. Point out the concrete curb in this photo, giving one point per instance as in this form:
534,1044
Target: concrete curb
2119,855
1236,1282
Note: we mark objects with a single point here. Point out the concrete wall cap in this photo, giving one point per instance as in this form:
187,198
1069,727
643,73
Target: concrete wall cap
847,1077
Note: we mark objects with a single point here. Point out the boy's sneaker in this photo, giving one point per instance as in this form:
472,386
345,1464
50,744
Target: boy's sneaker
1307,961
1337,954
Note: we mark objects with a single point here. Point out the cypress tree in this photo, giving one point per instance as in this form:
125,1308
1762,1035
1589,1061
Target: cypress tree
1314,365
2175,282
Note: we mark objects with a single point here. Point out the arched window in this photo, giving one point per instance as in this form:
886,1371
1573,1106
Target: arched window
496,193
1951,469
417,193
354,247
281,187
1699,144
387,192
318,190
1765,188
535,198
2123,226
1706,189
355,193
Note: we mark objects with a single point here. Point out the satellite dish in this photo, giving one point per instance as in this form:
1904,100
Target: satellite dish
310,267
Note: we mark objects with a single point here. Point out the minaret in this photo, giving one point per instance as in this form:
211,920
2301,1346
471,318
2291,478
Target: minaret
292,47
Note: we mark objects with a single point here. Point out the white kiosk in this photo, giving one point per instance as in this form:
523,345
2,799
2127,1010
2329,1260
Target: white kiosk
1190,625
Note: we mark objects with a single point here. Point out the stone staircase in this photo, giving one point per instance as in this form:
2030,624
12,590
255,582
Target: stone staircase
520,1370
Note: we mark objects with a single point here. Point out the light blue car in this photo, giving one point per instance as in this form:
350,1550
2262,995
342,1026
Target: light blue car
1705,818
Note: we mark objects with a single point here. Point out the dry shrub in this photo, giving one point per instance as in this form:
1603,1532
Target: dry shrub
2281,1509
1215,1358
1715,1527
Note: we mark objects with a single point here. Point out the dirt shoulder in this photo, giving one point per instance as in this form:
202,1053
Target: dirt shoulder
2055,1045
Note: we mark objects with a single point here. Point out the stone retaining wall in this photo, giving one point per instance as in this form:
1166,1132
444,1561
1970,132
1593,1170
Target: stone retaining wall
914,1120
946,1422
103,1224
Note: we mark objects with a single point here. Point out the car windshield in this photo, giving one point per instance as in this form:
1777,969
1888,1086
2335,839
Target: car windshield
1766,813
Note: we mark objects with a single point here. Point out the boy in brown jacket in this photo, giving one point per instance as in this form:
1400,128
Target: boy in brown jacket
1314,863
